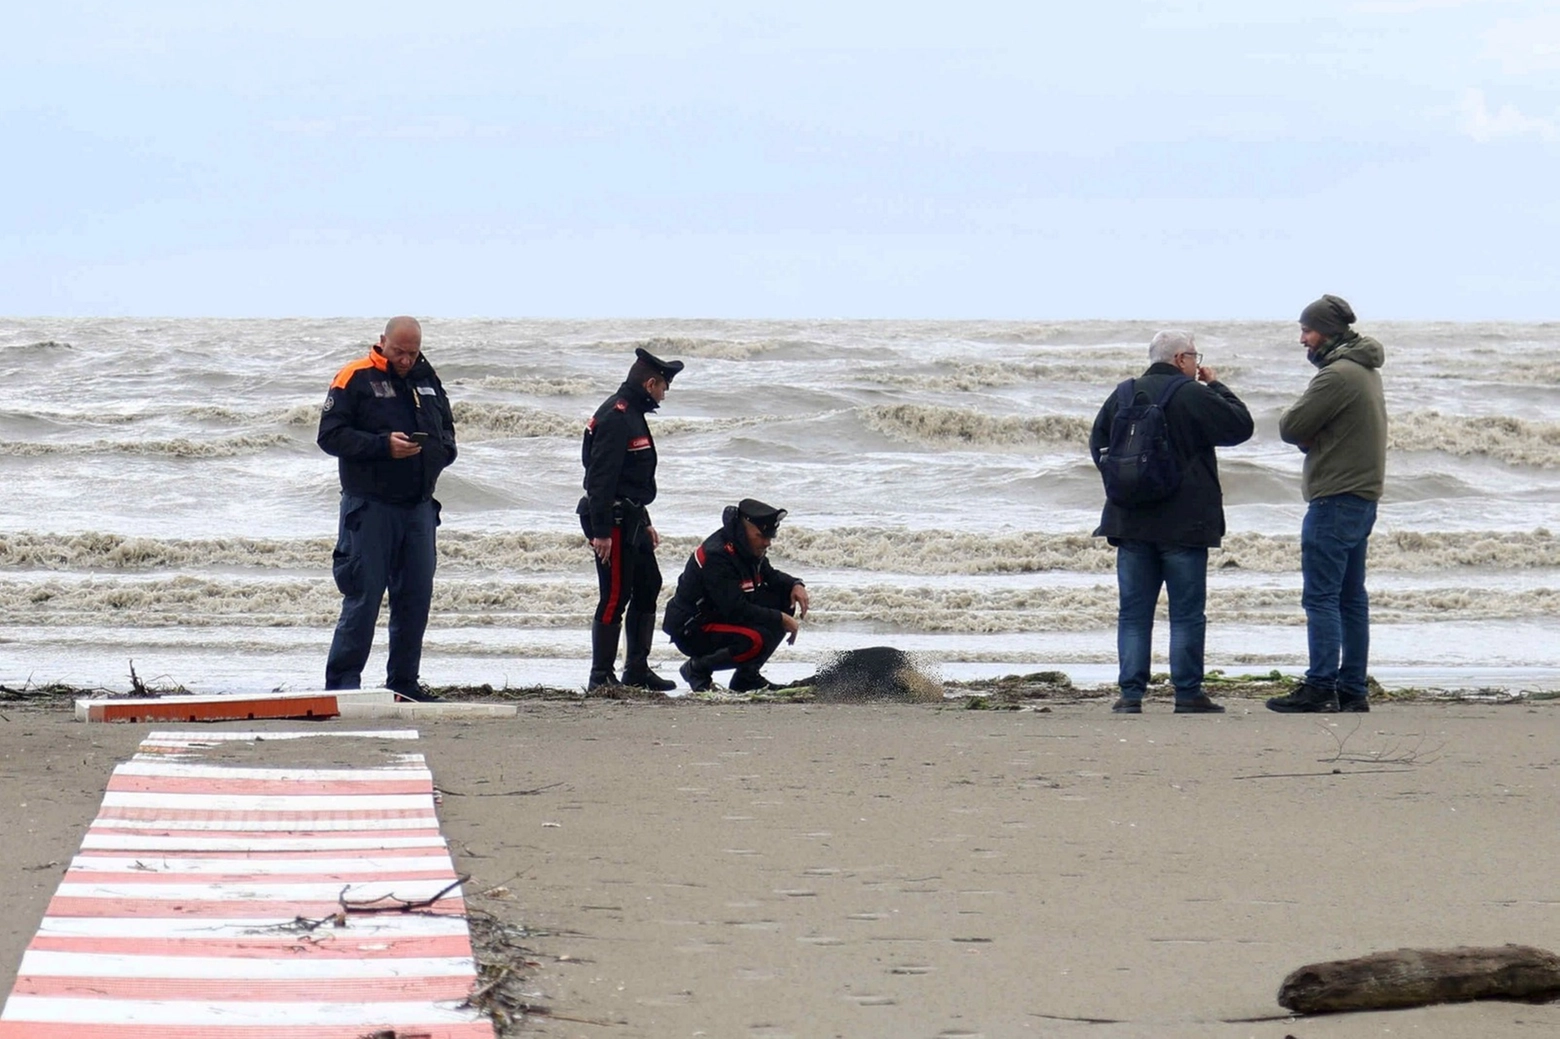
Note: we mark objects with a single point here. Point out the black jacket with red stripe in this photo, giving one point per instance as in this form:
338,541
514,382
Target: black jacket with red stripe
366,402
619,458
722,579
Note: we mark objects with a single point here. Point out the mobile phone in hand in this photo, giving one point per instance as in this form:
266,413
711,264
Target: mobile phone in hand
419,438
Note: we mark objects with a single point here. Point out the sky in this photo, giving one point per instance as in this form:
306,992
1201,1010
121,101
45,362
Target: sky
684,158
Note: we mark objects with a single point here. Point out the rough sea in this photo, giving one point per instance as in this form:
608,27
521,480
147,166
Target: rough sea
165,503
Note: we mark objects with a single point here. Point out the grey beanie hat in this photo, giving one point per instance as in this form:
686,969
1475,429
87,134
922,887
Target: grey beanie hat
1330,315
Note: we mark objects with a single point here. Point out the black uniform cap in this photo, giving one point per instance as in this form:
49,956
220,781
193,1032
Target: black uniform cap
665,369
765,517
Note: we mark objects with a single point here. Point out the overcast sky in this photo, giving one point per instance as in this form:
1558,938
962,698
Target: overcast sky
683,158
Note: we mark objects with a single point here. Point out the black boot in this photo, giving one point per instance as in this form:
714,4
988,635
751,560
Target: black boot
1306,699
636,664
603,653
750,680
699,672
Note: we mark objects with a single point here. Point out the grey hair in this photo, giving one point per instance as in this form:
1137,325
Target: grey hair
1169,342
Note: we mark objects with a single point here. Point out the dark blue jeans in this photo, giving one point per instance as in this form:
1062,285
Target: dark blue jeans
1142,568
379,547
1333,540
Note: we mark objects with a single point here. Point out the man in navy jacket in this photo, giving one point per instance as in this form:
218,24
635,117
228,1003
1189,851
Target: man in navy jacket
387,420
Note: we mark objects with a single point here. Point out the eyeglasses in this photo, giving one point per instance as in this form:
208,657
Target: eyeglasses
1188,353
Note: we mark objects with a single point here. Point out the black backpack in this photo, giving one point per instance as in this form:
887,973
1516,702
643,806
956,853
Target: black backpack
1139,465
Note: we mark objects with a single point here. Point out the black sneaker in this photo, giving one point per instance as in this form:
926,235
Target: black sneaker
1354,704
1199,704
698,681
1126,706
420,695
1306,699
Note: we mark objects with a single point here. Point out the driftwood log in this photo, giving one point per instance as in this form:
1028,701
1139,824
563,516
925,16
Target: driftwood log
1418,977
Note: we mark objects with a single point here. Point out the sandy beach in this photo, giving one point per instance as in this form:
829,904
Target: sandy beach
693,869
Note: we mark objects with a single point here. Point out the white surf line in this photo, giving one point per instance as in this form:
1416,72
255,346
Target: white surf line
105,965
154,938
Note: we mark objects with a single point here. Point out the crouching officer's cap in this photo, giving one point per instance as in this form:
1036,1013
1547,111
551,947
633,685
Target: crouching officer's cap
765,517
665,369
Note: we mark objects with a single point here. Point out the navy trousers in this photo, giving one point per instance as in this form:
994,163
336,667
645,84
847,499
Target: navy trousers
382,547
751,646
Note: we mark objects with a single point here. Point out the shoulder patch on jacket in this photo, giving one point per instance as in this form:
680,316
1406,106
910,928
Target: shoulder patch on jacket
345,375
621,405
639,444
698,556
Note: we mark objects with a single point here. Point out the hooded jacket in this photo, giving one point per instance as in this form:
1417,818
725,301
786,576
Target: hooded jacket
721,580
1199,418
1340,421
619,458
366,402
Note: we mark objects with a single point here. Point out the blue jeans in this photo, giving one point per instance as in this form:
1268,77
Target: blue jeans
1142,567
1333,540
380,546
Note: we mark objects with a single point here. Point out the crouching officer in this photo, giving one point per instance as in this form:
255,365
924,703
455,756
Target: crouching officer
732,607
619,458
387,420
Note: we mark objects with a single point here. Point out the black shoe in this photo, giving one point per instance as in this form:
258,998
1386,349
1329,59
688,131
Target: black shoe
419,695
750,682
1354,704
698,681
1125,706
598,679
1306,699
1199,704
647,679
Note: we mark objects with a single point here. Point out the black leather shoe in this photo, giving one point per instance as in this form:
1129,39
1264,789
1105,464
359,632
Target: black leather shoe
698,681
648,679
1353,705
420,695
1199,704
750,682
598,679
1125,706
1306,699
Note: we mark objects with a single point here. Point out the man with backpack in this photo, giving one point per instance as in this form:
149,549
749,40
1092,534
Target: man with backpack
1153,442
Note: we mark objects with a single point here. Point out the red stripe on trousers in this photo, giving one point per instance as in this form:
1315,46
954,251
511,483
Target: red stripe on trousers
615,588
747,633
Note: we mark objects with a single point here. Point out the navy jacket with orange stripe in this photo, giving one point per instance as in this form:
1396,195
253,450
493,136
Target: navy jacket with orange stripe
721,581
619,457
366,402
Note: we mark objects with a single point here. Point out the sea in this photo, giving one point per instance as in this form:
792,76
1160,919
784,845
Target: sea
165,507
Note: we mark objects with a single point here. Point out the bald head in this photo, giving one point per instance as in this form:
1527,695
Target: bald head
396,324
402,343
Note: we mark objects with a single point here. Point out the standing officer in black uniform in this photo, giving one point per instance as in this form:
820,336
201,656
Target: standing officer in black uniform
732,607
387,420
619,458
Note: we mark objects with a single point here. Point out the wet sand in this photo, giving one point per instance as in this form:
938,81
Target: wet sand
827,870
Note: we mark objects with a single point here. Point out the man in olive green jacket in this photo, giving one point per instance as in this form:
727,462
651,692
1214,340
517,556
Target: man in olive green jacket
1340,422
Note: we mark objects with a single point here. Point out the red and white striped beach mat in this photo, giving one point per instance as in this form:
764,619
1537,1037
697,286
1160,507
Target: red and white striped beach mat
219,897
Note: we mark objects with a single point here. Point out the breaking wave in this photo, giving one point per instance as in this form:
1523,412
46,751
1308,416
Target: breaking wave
478,421
1510,440
535,386
931,424
192,601
176,447
861,549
